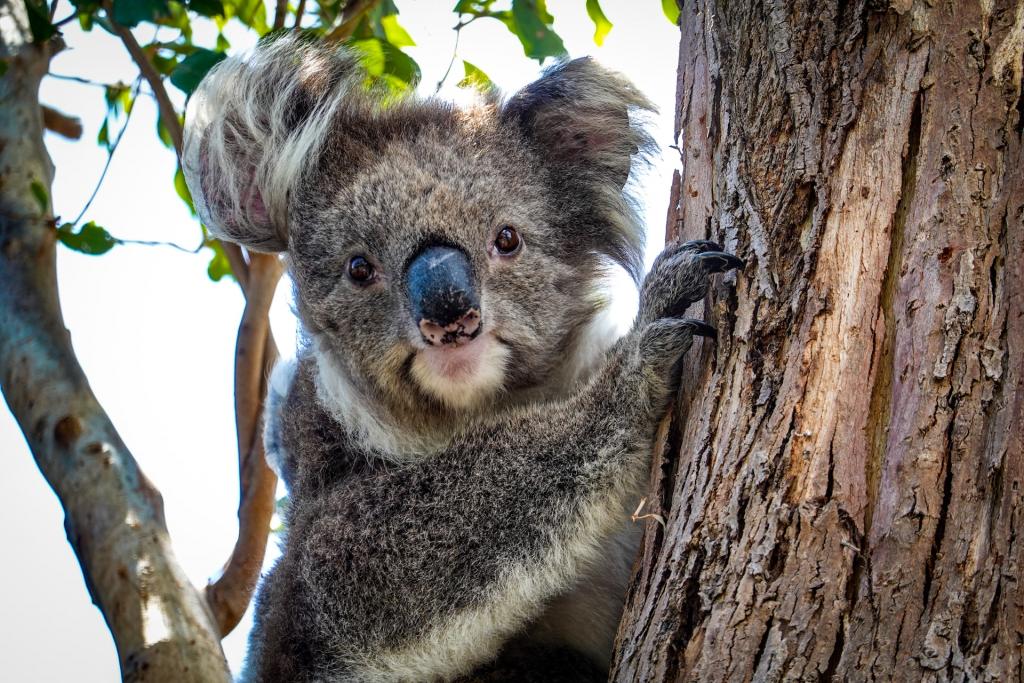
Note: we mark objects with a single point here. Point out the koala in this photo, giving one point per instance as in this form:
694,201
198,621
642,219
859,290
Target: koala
461,437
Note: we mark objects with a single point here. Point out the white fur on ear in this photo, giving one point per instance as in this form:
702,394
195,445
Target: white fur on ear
254,125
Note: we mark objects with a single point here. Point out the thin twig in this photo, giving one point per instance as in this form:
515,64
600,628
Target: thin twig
167,111
84,81
161,243
110,153
299,11
66,20
636,516
350,17
280,12
455,51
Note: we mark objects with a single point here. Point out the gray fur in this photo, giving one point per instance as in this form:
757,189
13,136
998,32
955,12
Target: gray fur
428,540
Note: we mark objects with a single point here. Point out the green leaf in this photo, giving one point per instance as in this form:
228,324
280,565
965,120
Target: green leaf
86,12
531,23
131,13
39,21
219,265
165,65
3,67
395,34
252,13
103,137
400,65
181,187
207,8
90,239
41,195
222,43
371,55
192,69
475,7
163,133
475,78
671,10
386,64
601,24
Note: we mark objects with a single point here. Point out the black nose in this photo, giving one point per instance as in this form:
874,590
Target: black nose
442,295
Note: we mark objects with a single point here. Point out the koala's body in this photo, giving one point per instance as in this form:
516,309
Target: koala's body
461,437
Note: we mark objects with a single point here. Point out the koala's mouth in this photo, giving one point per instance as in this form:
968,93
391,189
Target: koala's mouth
464,374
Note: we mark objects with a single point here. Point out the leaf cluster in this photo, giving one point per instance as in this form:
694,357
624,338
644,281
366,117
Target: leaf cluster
370,27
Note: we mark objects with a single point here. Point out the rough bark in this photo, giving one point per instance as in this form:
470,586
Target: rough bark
114,516
842,483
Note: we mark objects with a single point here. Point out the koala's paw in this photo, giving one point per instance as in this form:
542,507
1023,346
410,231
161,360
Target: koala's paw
680,276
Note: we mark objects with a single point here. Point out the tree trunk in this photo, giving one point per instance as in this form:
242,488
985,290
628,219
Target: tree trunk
114,515
842,484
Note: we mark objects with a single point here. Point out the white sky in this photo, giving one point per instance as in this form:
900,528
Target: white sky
156,336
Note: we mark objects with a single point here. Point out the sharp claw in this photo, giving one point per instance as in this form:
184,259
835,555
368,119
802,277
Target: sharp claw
700,246
701,328
719,261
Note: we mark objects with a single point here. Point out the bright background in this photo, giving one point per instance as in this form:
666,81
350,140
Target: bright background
156,336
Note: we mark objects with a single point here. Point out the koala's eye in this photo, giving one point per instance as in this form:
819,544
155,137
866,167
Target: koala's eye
360,270
508,241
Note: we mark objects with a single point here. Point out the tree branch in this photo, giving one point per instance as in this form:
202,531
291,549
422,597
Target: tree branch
114,515
168,114
62,124
255,354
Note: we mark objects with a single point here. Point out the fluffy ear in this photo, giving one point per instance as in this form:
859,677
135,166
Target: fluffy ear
577,115
576,118
252,127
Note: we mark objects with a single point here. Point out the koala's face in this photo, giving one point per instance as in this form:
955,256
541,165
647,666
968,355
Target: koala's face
443,266
445,260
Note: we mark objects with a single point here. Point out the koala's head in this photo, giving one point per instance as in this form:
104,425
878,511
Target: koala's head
445,259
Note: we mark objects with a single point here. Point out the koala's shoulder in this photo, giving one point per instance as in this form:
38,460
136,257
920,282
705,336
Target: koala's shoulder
316,449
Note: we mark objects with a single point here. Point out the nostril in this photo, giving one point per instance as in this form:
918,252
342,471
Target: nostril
463,330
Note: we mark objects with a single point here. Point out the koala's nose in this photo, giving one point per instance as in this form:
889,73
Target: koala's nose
442,294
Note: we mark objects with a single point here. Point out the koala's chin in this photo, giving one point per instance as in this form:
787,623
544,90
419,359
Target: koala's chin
463,377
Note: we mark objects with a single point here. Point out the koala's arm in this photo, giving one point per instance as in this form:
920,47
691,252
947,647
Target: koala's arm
423,571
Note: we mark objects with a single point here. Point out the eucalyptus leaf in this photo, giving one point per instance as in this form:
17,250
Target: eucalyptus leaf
207,8
90,239
601,24
219,265
395,34
475,78
531,24
190,71
671,10
181,187
131,13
